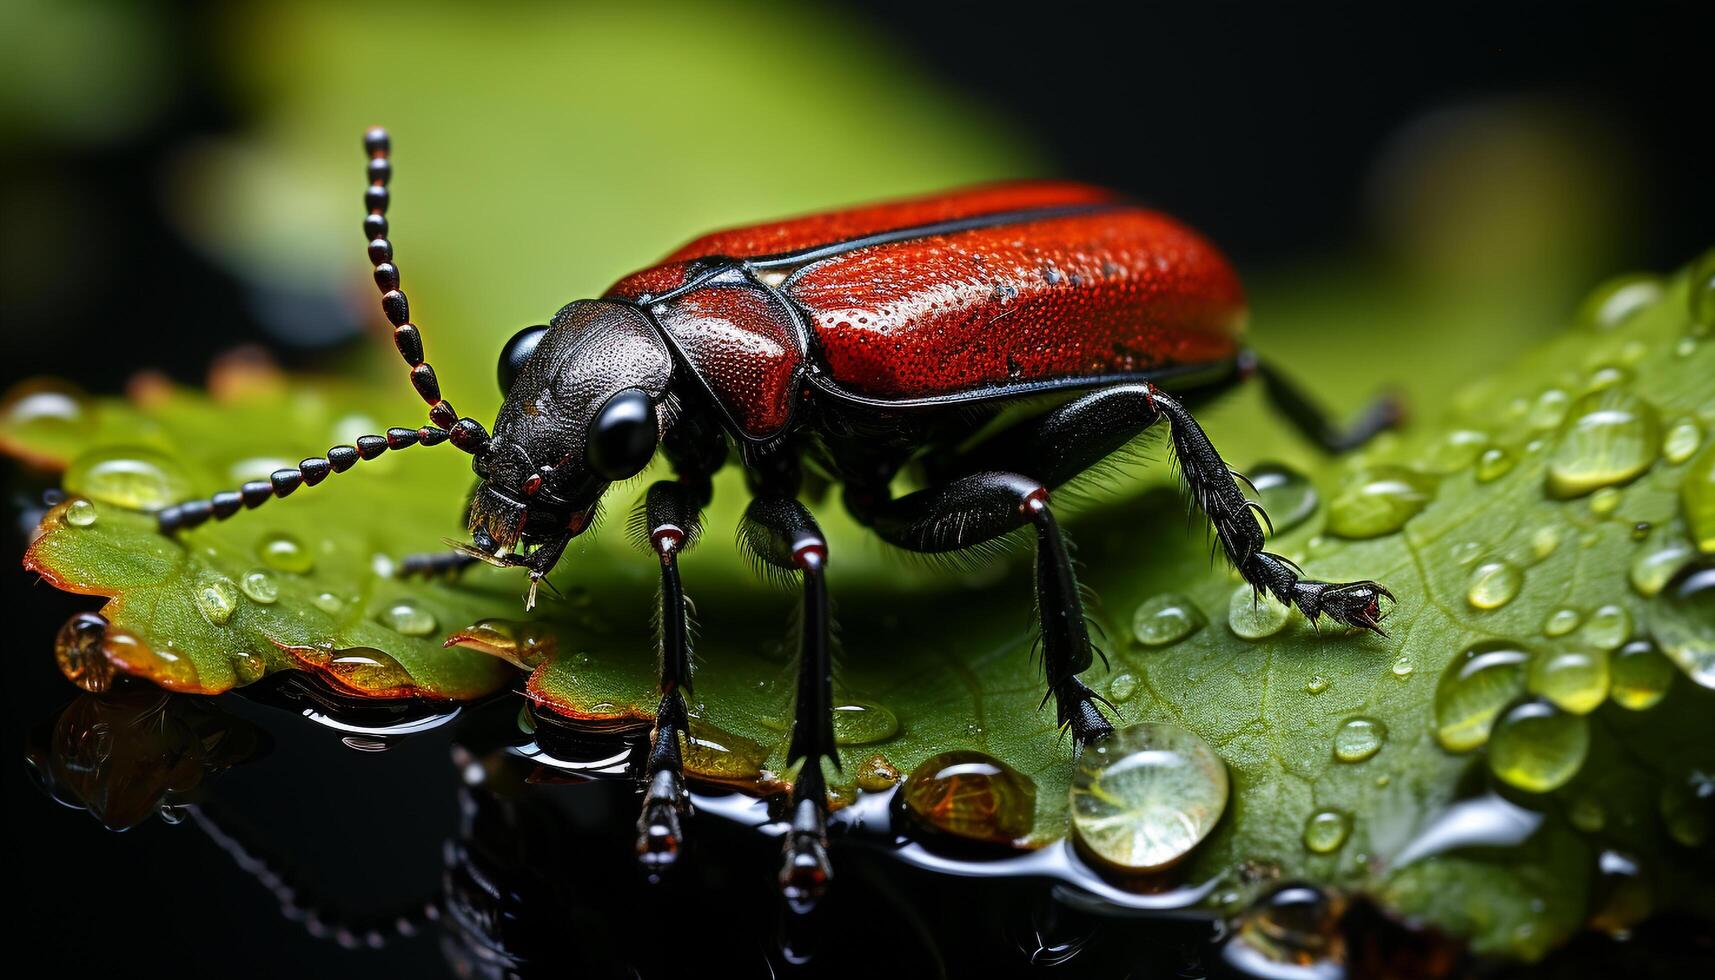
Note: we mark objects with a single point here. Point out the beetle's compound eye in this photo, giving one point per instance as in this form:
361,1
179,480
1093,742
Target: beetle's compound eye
623,435
516,352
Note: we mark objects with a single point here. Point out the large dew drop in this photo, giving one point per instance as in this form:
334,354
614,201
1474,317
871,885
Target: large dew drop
1576,680
1286,494
1378,501
1145,796
1537,747
1609,437
1682,620
1254,616
260,586
80,513
216,598
1664,552
407,618
863,723
286,553
1493,584
1617,300
971,795
1166,619
1326,831
1476,686
128,476
1358,739
1697,499
1639,676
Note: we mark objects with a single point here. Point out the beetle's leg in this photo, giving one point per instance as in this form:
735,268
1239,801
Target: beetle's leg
981,507
1062,443
1382,413
779,531
672,519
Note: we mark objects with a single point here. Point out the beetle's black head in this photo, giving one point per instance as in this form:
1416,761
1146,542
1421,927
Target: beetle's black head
584,408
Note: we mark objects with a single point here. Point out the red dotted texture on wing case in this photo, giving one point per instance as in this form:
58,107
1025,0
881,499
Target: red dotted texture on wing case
812,231
742,343
1105,293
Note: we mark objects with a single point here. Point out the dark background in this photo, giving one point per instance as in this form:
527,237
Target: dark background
1262,124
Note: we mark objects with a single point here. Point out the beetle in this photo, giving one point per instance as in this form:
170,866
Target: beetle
847,348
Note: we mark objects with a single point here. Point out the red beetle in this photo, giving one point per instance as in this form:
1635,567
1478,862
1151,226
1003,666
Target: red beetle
851,345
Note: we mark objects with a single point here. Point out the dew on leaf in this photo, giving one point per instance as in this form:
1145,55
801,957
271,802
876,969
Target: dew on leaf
1587,814
1495,463
1456,451
1608,627
407,618
1561,622
248,667
363,668
1702,292
128,476
1685,808
1326,831
1682,620
1358,739
1576,680
78,651
1697,499
1378,500
1639,676
1402,667
1549,409
1473,690
1681,441
1607,377
80,513
1143,797
1617,300
859,722
971,795
1286,494
285,553
875,774
1254,616
1465,552
1604,501
329,603
522,644
1543,541
715,754
1293,931
216,598
260,586
1165,619
1537,747
1316,684
1493,584
1122,688
47,404
1609,438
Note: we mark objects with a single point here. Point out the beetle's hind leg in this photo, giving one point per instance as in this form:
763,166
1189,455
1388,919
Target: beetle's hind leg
1384,412
981,507
671,518
779,531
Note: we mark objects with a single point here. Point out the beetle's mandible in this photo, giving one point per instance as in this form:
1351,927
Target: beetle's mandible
845,347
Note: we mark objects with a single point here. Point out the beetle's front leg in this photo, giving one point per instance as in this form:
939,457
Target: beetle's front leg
671,516
780,532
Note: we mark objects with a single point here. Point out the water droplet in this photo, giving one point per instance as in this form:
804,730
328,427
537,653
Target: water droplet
718,755
80,513
1316,684
1639,676
1326,831
407,618
1608,627
1681,440
1465,552
971,795
1358,738
1604,501
1143,797
1494,464
1664,553
216,598
1617,300
1587,814
1288,496
1702,291
1543,541
1473,690
1164,619
79,653
1255,617
1561,622
329,603
1682,620
248,667
1455,451
364,668
1609,376
1576,680
1378,501
1122,688
1550,409
1493,584
859,722
1402,667
876,774
1697,499
1291,932
1537,747
49,406
128,476
286,553
1685,806
260,586
1609,438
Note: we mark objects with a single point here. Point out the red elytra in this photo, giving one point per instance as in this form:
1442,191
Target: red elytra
985,292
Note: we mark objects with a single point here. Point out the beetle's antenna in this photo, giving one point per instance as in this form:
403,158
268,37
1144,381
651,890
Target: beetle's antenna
282,482
465,433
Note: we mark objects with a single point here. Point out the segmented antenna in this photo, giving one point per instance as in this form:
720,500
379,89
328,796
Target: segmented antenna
467,434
